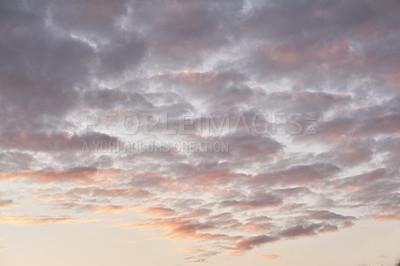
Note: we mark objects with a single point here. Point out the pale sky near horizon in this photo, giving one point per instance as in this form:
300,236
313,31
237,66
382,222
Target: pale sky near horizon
185,132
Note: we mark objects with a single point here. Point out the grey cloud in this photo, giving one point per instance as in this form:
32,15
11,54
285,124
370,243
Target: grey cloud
247,244
54,141
91,18
300,174
328,215
259,201
185,31
15,161
120,55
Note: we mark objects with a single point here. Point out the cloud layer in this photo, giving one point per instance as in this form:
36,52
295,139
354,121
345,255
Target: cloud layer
76,76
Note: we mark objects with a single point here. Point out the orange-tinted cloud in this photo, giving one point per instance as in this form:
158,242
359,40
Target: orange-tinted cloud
109,209
270,256
28,220
156,211
83,175
5,204
388,217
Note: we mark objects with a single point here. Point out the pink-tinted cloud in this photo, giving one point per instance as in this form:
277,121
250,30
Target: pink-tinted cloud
84,175
387,217
270,256
27,220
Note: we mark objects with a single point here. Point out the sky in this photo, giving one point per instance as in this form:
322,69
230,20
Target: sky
185,132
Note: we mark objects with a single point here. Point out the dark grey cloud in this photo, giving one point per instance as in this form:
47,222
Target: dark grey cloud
183,33
94,19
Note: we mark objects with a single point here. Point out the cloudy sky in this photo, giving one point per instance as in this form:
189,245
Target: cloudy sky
192,131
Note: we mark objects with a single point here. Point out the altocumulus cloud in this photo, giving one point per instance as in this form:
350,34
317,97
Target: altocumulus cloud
64,62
